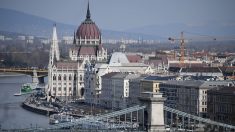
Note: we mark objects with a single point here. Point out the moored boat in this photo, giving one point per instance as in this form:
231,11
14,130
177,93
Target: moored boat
26,89
17,94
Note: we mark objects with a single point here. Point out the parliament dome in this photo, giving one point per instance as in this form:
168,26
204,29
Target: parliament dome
88,29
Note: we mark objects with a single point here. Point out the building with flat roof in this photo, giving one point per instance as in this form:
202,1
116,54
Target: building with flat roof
189,96
118,63
115,89
221,104
201,71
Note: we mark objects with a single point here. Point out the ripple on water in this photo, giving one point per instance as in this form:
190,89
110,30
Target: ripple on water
12,115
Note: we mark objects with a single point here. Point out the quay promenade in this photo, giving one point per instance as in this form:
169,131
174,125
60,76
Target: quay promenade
37,103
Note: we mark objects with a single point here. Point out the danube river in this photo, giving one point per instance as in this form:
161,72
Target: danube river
12,115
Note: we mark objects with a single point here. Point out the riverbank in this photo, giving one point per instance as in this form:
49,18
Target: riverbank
38,109
12,115
34,103
38,104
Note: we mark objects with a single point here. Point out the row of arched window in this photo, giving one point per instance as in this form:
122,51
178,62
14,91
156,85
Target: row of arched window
67,78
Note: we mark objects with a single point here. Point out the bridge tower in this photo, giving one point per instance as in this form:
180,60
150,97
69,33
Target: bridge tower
35,77
154,113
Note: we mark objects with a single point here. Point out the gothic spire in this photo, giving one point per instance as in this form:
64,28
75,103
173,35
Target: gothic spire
55,46
88,14
54,33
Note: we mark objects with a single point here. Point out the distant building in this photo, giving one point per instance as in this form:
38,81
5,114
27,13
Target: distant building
187,63
8,39
67,39
221,104
134,58
159,62
115,89
21,37
201,71
118,63
221,58
229,72
2,37
30,39
45,41
189,96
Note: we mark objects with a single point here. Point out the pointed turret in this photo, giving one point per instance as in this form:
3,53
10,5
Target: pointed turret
54,33
54,50
55,44
54,56
88,14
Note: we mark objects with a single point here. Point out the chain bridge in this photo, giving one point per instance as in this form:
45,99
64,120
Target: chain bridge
151,116
37,74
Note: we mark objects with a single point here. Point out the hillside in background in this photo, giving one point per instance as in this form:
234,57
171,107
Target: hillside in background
18,22
203,31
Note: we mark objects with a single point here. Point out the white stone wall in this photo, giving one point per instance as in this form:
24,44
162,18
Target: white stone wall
66,82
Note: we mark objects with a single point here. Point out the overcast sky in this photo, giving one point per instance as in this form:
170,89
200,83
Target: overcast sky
127,14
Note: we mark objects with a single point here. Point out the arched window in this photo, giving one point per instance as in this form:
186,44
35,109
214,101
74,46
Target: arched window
54,77
80,77
59,78
70,77
65,77
75,77
82,91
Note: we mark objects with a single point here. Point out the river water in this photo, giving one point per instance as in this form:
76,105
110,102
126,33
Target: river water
12,115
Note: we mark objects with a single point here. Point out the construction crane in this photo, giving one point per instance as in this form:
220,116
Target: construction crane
182,45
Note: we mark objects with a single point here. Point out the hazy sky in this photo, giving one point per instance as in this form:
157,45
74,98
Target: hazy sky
127,14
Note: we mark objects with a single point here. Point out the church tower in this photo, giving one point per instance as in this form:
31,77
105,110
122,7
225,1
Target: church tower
54,49
54,56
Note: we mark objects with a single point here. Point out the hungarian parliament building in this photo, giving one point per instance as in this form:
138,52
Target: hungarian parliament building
79,77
